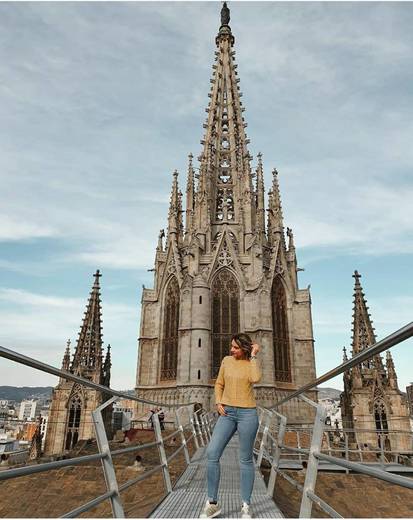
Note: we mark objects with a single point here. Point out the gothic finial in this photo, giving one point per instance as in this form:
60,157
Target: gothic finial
389,359
66,357
225,14
345,358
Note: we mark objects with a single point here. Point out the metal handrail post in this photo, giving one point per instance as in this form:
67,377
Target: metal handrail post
328,442
358,445
205,422
203,427
312,466
107,463
346,448
300,457
183,439
263,439
208,425
382,461
162,453
192,423
276,461
198,425
260,413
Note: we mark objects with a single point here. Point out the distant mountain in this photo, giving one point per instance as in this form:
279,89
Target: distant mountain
328,393
19,393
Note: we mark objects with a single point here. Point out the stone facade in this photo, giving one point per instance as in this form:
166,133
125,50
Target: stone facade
223,268
70,418
409,396
372,403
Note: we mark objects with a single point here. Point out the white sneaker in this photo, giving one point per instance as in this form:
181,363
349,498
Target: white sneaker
245,511
210,510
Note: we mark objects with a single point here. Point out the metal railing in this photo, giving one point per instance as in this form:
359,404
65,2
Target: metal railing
198,428
350,444
272,430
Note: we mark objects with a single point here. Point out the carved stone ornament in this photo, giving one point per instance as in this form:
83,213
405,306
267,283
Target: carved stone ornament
224,257
171,267
205,272
279,269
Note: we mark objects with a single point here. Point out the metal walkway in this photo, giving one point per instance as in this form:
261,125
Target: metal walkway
189,494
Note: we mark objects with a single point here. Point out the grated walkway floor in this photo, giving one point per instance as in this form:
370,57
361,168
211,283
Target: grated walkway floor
189,494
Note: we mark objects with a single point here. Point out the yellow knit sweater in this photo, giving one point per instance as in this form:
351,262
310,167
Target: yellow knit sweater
233,385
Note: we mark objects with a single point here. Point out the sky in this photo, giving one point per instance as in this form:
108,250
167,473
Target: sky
100,102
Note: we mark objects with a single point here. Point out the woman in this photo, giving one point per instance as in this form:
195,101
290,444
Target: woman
236,406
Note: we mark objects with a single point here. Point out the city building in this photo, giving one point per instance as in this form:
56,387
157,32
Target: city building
372,403
29,410
70,416
123,410
224,267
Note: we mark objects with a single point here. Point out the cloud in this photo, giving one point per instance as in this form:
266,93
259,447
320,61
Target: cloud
100,103
38,325
10,230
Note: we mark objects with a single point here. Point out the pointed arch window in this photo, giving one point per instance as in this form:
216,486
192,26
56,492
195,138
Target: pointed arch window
382,428
225,316
281,342
170,332
73,422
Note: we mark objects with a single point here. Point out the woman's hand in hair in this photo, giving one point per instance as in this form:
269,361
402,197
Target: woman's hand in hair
221,409
255,349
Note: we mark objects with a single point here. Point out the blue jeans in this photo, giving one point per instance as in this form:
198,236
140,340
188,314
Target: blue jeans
245,420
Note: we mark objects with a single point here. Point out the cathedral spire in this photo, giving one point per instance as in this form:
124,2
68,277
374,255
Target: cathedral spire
225,184
88,354
363,330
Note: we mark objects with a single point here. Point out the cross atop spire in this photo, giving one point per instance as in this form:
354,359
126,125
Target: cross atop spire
97,275
357,277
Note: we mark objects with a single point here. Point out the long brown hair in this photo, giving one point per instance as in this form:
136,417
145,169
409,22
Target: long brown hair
244,342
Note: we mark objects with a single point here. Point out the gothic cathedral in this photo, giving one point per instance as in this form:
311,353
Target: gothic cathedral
372,403
224,267
70,418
